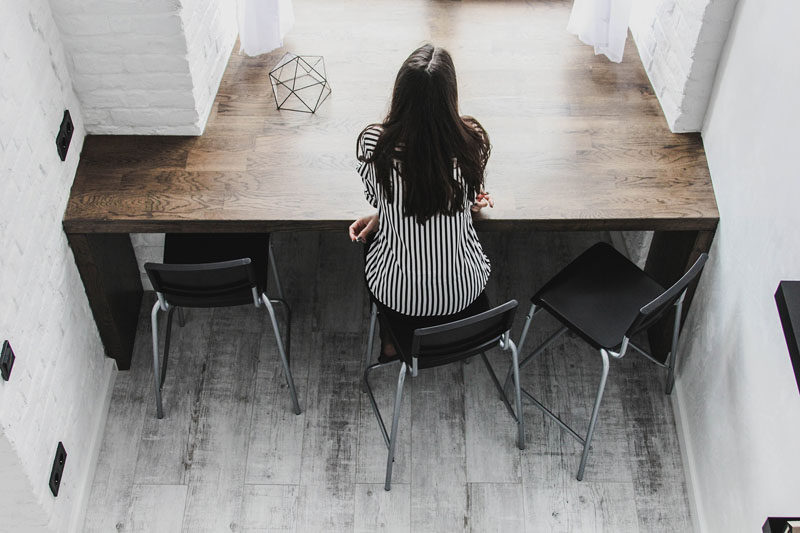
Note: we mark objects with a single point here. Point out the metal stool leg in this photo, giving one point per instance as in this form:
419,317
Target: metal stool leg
154,328
593,420
518,397
167,337
282,300
497,385
395,420
528,318
284,361
673,356
288,342
275,272
373,315
539,349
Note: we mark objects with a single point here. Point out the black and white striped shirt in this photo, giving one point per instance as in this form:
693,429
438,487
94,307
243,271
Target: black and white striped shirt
436,268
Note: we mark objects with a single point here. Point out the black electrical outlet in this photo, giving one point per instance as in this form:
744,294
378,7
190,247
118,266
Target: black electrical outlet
57,473
6,360
64,135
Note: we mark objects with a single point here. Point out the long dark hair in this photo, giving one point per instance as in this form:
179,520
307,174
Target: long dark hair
424,132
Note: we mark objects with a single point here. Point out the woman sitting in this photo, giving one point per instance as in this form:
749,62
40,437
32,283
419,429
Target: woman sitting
423,169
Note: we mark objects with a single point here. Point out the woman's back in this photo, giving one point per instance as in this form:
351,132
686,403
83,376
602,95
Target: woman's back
423,169
436,267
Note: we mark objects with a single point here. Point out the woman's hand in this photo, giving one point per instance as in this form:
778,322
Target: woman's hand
363,227
484,199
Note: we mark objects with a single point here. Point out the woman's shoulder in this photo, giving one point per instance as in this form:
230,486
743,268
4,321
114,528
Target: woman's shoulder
372,131
368,139
370,135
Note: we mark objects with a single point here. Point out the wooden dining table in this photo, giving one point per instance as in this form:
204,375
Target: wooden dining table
578,143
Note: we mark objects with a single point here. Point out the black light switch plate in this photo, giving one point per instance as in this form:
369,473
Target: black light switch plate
57,473
6,360
787,297
64,135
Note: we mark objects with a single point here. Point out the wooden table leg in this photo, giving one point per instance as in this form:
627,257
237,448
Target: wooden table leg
110,275
671,254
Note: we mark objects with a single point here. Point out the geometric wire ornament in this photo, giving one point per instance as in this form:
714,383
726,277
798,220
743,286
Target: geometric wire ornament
299,83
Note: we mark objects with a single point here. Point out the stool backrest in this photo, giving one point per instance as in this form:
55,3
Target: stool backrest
446,343
220,284
657,308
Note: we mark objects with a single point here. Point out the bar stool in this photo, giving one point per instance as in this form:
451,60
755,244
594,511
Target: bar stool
606,300
444,344
215,270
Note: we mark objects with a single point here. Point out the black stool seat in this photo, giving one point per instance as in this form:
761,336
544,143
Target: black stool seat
196,248
598,295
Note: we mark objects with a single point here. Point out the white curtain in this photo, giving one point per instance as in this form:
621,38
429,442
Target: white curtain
263,23
602,24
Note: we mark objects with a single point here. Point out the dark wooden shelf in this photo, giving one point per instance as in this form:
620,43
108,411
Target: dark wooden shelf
787,297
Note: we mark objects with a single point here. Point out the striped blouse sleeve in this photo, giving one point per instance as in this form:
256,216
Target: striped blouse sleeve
367,170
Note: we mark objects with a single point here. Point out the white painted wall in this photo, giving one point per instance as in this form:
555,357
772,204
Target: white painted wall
149,67
20,507
738,401
60,385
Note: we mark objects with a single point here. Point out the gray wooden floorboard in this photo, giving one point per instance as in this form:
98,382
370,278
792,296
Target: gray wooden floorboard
491,433
438,451
378,510
268,508
157,508
231,455
496,507
163,442
111,495
659,485
218,444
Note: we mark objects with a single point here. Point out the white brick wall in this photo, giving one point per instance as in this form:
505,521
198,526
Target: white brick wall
680,42
60,384
146,66
211,31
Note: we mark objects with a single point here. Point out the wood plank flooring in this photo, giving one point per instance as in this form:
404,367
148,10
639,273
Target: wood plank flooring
231,456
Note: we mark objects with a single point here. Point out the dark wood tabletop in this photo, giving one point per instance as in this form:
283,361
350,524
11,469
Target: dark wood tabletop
578,142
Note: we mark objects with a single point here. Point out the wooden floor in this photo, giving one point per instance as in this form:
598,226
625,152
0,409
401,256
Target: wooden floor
230,455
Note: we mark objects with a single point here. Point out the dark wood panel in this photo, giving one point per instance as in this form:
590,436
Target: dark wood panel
670,256
108,269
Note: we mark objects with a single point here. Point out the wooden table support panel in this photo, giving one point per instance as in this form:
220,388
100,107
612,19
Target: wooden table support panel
108,268
670,256
110,274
